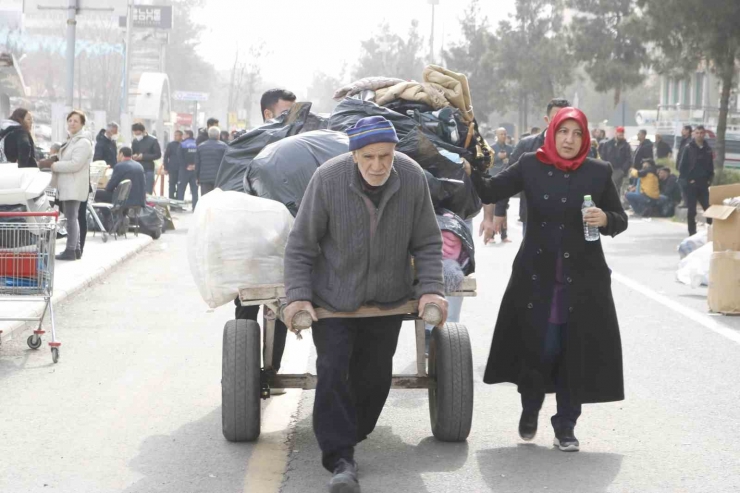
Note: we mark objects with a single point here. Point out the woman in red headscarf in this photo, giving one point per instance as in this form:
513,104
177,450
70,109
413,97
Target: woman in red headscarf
557,328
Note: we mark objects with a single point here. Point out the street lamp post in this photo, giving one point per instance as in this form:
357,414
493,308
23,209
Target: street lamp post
71,35
433,3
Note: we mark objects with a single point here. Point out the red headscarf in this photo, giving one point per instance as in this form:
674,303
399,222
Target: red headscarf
548,153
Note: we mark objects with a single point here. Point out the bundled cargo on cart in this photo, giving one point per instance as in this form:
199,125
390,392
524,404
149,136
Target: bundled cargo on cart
436,126
236,241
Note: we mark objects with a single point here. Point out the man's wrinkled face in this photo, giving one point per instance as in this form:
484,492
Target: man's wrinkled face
501,136
375,162
278,109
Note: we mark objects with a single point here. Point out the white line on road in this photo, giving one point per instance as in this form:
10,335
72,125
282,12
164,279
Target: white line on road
700,318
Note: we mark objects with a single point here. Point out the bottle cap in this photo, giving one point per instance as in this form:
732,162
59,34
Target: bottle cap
587,197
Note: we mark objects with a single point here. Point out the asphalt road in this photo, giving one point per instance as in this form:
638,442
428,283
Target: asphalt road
134,403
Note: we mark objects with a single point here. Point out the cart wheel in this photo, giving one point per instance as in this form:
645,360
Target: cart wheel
34,341
240,381
55,354
105,238
451,366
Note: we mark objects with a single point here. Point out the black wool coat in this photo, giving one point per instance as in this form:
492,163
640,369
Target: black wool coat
593,348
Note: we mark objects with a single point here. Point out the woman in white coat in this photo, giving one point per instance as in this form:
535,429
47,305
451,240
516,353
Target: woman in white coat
72,178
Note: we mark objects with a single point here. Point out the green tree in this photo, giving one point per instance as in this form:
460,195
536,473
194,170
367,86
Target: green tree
532,63
473,56
693,33
321,91
390,55
608,37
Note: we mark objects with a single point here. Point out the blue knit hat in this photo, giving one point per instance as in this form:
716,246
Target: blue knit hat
371,130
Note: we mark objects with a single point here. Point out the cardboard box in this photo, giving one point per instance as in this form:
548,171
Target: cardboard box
724,283
726,226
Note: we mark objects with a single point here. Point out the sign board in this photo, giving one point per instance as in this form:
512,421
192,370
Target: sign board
185,119
190,96
116,7
149,16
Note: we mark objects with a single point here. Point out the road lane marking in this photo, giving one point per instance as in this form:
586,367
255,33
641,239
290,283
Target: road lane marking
704,320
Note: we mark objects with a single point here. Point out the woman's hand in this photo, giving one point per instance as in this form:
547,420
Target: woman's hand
595,217
46,163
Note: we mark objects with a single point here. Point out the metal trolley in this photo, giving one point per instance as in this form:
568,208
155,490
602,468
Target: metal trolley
27,245
247,375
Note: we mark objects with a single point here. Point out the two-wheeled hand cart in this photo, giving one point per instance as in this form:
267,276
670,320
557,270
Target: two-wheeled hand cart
27,246
247,375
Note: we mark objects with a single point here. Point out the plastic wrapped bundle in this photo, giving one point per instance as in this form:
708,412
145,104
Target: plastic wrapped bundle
236,241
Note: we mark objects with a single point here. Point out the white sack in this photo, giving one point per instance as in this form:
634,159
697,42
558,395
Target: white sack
694,269
236,241
692,243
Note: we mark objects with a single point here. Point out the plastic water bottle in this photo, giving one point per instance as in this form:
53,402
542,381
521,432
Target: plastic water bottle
590,232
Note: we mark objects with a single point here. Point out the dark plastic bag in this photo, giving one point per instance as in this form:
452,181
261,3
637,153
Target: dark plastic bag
150,221
460,196
242,151
457,226
349,111
282,170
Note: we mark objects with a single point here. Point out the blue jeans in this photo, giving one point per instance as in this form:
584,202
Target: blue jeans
639,202
554,357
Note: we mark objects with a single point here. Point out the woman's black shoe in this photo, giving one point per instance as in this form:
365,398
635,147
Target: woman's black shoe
528,425
67,255
566,440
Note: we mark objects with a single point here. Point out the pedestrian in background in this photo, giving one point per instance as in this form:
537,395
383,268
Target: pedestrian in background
17,139
187,178
208,159
663,151
617,152
126,169
225,137
557,328
644,150
146,150
105,144
687,134
203,133
697,170
502,152
72,179
173,161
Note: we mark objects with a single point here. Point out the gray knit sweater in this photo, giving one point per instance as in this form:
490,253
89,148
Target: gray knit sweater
344,253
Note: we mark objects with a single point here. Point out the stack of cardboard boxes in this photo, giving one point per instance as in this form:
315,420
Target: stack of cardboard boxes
724,270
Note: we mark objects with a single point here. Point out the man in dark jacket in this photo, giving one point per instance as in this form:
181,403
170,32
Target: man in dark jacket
697,170
126,169
617,152
644,150
146,150
189,150
203,133
501,157
208,159
494,224
173,161
686,135
17,141
662,148
356,199
670,192
105,145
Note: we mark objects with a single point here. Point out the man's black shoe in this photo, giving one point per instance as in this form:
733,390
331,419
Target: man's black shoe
345,478
78,254
67,255
528,425
566,440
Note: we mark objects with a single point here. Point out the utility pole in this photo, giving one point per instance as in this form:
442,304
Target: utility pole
433,3
71,35
127,61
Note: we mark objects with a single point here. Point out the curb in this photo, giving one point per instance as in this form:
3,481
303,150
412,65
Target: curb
61,294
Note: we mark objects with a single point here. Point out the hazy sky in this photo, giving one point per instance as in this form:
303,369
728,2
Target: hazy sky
303,36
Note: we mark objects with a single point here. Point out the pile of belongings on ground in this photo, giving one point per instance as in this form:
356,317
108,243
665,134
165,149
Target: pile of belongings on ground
433,118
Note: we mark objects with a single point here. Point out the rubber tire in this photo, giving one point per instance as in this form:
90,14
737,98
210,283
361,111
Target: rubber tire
105,238
451,365
240,381
55,354
31,344
156,234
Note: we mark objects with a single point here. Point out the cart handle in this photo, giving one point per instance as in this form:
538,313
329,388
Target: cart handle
432,315
30,214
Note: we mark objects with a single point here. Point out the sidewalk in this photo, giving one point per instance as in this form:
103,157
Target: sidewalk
70,277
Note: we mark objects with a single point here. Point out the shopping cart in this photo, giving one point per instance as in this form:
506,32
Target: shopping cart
27,244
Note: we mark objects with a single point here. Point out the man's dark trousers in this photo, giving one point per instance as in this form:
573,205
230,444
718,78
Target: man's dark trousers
281,331
187,177
354,367
173,175
696,192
